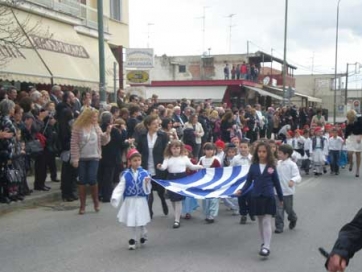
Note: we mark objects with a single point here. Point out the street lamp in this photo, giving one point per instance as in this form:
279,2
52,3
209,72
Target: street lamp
335,68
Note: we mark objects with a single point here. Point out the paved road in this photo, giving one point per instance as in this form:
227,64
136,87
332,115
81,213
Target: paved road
48,239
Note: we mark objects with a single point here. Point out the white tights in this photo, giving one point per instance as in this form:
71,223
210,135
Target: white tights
265,229
142,232
177,207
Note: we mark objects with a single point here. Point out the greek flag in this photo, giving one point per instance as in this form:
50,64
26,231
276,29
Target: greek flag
219,182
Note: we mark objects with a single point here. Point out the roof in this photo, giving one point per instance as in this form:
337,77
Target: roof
261,56
193,83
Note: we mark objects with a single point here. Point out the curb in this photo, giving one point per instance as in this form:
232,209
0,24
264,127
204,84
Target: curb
31,201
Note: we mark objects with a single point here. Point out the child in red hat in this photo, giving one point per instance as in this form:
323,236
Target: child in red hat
131,192
318,151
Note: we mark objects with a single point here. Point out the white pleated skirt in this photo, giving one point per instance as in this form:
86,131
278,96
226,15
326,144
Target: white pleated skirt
134,212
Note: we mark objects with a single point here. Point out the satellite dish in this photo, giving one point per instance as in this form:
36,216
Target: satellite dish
266,80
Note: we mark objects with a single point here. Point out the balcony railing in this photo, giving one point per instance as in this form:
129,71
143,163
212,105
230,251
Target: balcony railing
90,18
88,15
71,7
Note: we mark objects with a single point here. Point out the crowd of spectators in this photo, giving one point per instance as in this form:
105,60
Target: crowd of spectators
241,71
36,127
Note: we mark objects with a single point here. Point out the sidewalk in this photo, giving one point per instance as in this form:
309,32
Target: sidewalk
36,198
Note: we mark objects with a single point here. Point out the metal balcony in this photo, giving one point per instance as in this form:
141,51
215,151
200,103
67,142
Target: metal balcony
71,7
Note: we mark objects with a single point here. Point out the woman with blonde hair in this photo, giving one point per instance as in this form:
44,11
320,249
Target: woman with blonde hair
353,136
86,150
45,95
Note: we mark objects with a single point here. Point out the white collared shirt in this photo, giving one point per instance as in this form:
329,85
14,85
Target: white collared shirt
151,163
287,171
335,143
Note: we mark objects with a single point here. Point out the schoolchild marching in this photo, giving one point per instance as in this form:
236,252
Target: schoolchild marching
231,158
318,151
210,205
307,151
288,175
264,177
244,159
335,144
131,192
175,163
189,204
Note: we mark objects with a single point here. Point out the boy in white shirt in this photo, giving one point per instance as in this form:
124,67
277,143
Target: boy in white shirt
244,159
335,144
288,175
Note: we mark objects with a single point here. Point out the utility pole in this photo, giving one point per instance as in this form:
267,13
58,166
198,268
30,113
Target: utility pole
230,16
102,69
285,50
313,63
335,68
148,34
203,17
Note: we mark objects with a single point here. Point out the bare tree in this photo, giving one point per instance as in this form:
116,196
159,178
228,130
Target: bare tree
15,33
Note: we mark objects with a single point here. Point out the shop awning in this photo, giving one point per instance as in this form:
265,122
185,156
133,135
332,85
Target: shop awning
198,93
264,93
71,58
310,98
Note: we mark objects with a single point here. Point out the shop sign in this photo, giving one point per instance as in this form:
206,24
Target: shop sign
139,58
138,77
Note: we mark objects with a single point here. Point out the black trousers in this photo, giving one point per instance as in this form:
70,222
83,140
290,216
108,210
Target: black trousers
105,181
68,180
161,194
40,171
50,163
244,202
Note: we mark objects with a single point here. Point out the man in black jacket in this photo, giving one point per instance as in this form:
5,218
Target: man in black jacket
348,243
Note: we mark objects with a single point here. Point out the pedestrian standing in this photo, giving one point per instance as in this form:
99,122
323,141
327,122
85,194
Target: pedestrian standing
264,177
288,175
175,163
132,192
85,152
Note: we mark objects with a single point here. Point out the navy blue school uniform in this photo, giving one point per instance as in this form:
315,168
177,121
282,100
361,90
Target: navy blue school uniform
262,199
174,196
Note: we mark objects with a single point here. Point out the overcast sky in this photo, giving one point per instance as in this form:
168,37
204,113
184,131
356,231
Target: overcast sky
177,29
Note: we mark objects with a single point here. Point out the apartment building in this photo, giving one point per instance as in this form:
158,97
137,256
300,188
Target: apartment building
60,43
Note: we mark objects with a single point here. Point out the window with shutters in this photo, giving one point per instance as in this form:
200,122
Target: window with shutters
116,9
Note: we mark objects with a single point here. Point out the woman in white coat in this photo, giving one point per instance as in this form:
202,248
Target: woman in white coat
353,136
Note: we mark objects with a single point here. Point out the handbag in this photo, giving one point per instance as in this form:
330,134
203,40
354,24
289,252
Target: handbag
34,148
12,175
65,156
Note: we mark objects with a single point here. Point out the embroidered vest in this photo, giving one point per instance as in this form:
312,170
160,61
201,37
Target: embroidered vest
134,187
314,142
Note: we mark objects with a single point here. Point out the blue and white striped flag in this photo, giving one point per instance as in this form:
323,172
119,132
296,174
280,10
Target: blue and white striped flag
219,182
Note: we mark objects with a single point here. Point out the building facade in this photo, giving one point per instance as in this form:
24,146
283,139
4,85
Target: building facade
322,86
60,42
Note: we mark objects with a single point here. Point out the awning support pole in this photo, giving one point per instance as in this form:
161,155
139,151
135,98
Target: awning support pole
115,81
102,73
